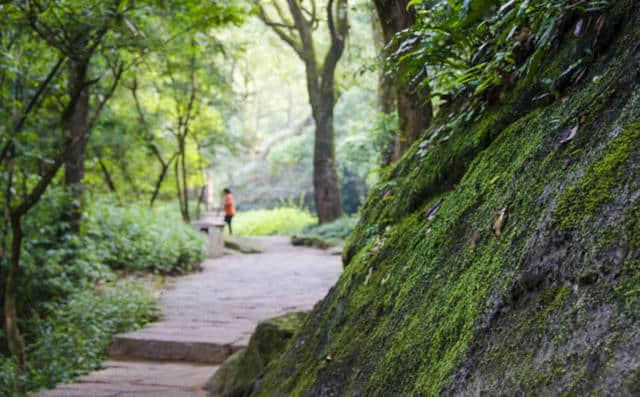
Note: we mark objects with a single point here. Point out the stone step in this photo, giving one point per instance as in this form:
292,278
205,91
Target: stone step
138,379
128,347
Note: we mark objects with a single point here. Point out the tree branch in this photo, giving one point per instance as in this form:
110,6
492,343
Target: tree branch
339,32
32,104
117,74
276,27
36,193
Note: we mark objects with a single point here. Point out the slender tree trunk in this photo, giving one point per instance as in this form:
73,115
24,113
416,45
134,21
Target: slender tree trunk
325,178
386,95
176,170
414,106
107,176
185,191
159,181
77,125
14,337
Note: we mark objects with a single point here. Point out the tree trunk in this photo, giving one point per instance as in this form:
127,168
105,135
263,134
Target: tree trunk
179,189
76,125
386,95
414,106
320,87
325,178
14,337
158,185
185,191
414,117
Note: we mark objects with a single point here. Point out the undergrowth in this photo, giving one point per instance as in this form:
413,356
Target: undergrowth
71,337
271,222
70,299
141,239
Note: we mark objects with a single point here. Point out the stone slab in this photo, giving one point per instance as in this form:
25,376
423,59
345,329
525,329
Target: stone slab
138,379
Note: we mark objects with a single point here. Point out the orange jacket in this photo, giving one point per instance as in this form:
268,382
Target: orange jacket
229,205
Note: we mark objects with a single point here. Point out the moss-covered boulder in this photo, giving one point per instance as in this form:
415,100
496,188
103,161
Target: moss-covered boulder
242,245
503,260
237,376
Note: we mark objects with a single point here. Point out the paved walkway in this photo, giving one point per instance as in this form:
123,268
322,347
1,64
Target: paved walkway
205,317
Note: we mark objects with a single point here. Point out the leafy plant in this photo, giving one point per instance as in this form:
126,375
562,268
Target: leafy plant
71,339
337,230
140,239
472,46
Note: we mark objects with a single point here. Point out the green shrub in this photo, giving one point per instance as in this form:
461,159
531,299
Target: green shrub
67,322
339,229
72,338
141,239
278,221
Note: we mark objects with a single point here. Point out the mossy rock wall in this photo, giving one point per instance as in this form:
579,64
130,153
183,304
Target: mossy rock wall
434,302
238,375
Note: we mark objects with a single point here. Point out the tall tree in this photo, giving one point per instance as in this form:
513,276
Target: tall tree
76,30
296,28
414,105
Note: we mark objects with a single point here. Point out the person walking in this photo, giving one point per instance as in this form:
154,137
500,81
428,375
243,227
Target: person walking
229,208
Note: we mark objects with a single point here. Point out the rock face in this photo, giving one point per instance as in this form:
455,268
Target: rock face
504,260
238,374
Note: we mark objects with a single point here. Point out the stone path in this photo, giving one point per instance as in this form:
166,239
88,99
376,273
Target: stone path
205,317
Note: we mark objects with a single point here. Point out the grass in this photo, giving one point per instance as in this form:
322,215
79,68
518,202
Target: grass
278,221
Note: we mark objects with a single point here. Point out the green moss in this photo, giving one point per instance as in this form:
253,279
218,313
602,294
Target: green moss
633,382
444,306
598,181
238,374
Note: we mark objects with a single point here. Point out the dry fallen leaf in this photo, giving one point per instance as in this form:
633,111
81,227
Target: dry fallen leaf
474,238
602,20
567,135
366,280
433,210
377,246
499,223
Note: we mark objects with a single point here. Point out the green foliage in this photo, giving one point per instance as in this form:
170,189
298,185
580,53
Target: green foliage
277,221
137,238
473,46
71,338
335,231
69,300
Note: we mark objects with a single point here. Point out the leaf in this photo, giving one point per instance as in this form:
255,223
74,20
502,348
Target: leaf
431,214
577,31
499,223
567,135
474,238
